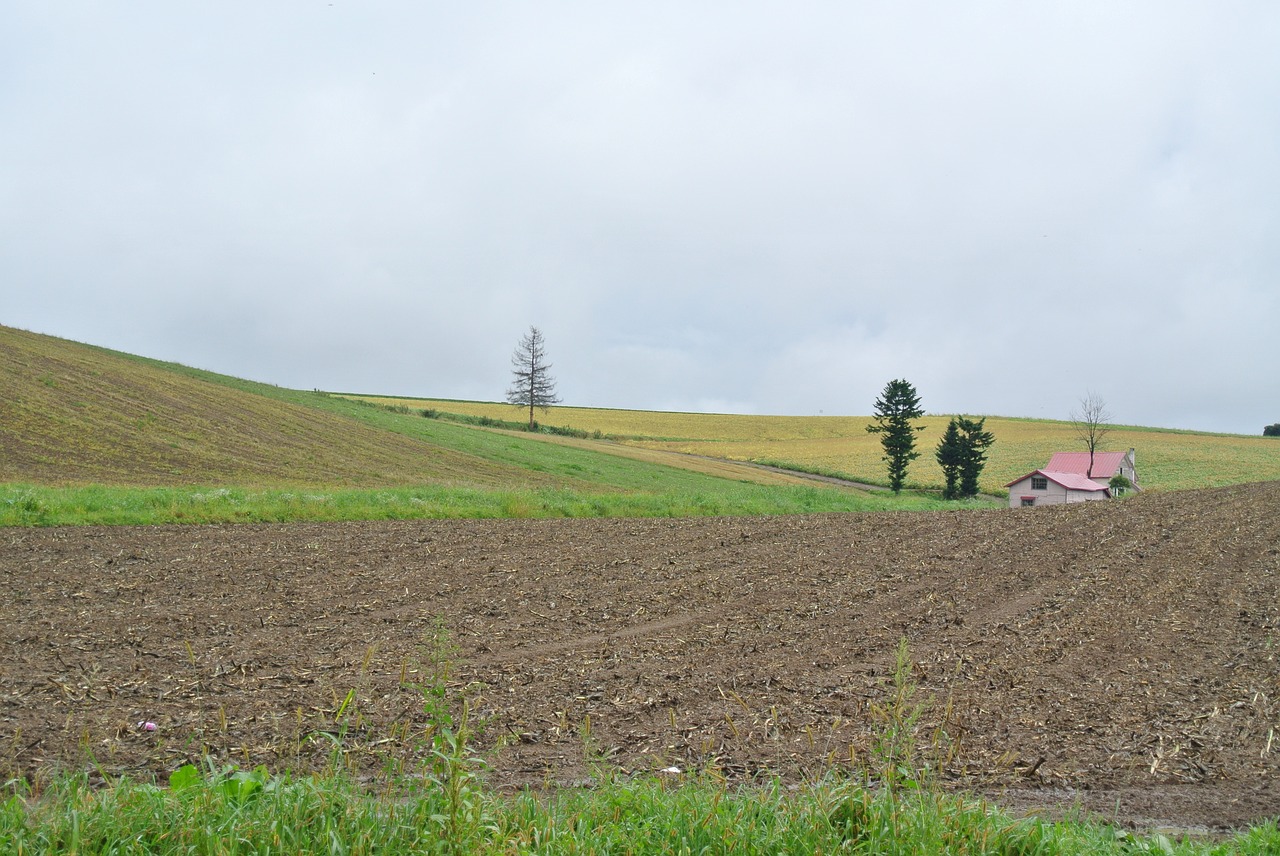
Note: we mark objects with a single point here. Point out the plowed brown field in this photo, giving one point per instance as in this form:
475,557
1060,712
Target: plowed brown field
1121,656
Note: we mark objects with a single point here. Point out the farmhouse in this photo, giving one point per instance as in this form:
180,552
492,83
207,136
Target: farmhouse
1069,477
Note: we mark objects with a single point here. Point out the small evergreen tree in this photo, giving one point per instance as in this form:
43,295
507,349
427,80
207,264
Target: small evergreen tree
895,408
950,455
976,442
962,453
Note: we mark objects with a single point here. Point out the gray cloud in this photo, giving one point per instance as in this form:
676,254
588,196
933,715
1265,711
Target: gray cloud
764,207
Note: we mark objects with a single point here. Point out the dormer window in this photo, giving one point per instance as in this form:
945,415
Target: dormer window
1039,483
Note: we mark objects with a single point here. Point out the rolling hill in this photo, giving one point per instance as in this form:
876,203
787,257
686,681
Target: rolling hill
75,414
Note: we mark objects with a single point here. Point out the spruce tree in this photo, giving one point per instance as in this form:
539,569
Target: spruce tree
895,408
975,442
951,455
962,453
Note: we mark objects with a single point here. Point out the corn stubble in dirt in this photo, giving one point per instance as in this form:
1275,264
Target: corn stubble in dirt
1120,656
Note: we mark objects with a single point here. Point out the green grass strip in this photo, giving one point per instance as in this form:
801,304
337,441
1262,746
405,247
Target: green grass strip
33,505
250,812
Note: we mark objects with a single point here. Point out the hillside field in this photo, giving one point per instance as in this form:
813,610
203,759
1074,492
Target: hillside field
88,434
74,416
1167,460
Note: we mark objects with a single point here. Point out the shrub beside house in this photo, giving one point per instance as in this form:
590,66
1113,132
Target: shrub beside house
1073,477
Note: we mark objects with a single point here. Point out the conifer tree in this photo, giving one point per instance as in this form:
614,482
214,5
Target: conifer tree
895,408
531,382
950,455
976,441
962,453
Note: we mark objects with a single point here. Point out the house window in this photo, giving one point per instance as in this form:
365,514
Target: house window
1028,501
1039,483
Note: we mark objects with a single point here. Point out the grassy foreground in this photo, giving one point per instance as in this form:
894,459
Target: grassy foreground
232,811
442,804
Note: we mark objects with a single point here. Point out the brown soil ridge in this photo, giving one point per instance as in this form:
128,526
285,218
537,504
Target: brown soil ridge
73,414
1119,656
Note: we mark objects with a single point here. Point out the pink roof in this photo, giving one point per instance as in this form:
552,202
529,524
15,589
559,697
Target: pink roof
1105,464
1071,481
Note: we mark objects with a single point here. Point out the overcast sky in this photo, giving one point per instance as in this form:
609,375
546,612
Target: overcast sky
741,207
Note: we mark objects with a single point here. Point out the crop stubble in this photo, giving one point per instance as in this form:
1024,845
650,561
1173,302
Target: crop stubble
1115,655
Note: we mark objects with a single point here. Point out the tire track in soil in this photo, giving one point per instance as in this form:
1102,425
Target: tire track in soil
596,640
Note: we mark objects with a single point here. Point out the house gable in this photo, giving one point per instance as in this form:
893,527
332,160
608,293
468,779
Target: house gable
1047,487
1070,481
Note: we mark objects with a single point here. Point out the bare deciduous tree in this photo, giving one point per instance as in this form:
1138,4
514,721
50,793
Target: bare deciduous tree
1092,423
531,383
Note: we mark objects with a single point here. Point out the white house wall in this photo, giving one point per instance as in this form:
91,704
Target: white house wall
1129,467
1054,494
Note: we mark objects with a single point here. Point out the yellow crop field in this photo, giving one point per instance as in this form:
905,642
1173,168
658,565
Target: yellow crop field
646,424
1167,460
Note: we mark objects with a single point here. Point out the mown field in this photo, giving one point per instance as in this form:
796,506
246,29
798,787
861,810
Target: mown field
840,445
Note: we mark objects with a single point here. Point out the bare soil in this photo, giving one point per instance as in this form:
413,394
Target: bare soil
1120,657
